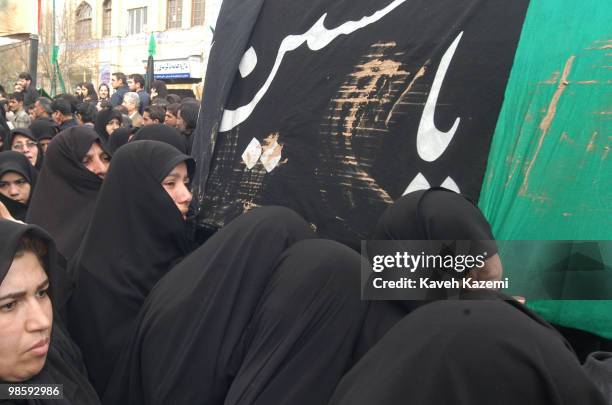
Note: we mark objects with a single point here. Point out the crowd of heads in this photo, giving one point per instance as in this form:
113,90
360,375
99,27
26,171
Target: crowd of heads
29,123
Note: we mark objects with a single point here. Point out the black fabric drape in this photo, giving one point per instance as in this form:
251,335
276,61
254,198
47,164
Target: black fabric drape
66,191
11,161
120,137
259,314
162,133
64,364
136,234
469,352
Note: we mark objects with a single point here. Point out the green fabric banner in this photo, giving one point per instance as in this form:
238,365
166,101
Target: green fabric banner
549,173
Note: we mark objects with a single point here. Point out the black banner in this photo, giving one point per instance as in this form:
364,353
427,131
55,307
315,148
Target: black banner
337,109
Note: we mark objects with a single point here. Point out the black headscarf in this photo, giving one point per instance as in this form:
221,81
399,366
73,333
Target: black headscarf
162,133
436,214
11,161
104,117
467,353
44,128
63,364
120,137
259,314
28,134
121,259
66,190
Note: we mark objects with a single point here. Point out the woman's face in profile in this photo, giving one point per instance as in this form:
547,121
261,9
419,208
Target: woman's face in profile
26,317
176,184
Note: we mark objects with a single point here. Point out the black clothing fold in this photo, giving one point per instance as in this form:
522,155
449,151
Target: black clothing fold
120,137
259,314
135,236
11,161
63,364
162,133
66,190
469,352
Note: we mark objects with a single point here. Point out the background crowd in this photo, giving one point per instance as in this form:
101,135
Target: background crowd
33,120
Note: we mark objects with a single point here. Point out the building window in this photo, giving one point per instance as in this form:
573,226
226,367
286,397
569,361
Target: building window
106,18
175,12
197,12
83,21
137,20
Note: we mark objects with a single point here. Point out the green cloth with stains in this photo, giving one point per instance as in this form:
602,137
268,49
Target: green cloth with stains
549,174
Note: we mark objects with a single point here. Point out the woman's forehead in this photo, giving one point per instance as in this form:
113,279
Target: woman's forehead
11,176
26,273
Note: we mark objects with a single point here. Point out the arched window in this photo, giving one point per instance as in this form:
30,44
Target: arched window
106,18
83,21
175,14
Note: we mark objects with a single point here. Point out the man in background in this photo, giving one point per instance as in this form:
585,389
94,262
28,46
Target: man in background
119,83
29,89
62,114
136,83
86,114
42,108
131,102
19,118
153,114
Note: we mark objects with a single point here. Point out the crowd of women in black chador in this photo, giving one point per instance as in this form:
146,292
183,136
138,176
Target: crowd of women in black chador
263,312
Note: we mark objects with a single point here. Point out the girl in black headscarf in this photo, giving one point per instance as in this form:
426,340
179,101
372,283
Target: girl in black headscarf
17,183
120,260
34,346
260,314
162,133
68,186
107,121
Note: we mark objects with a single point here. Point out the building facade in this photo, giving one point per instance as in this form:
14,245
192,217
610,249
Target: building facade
113,35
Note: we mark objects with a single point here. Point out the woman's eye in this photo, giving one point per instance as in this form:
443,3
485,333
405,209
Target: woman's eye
8,307
106,158
21,182
169,184
42,293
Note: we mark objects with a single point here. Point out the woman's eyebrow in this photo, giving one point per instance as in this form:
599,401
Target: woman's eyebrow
21,294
